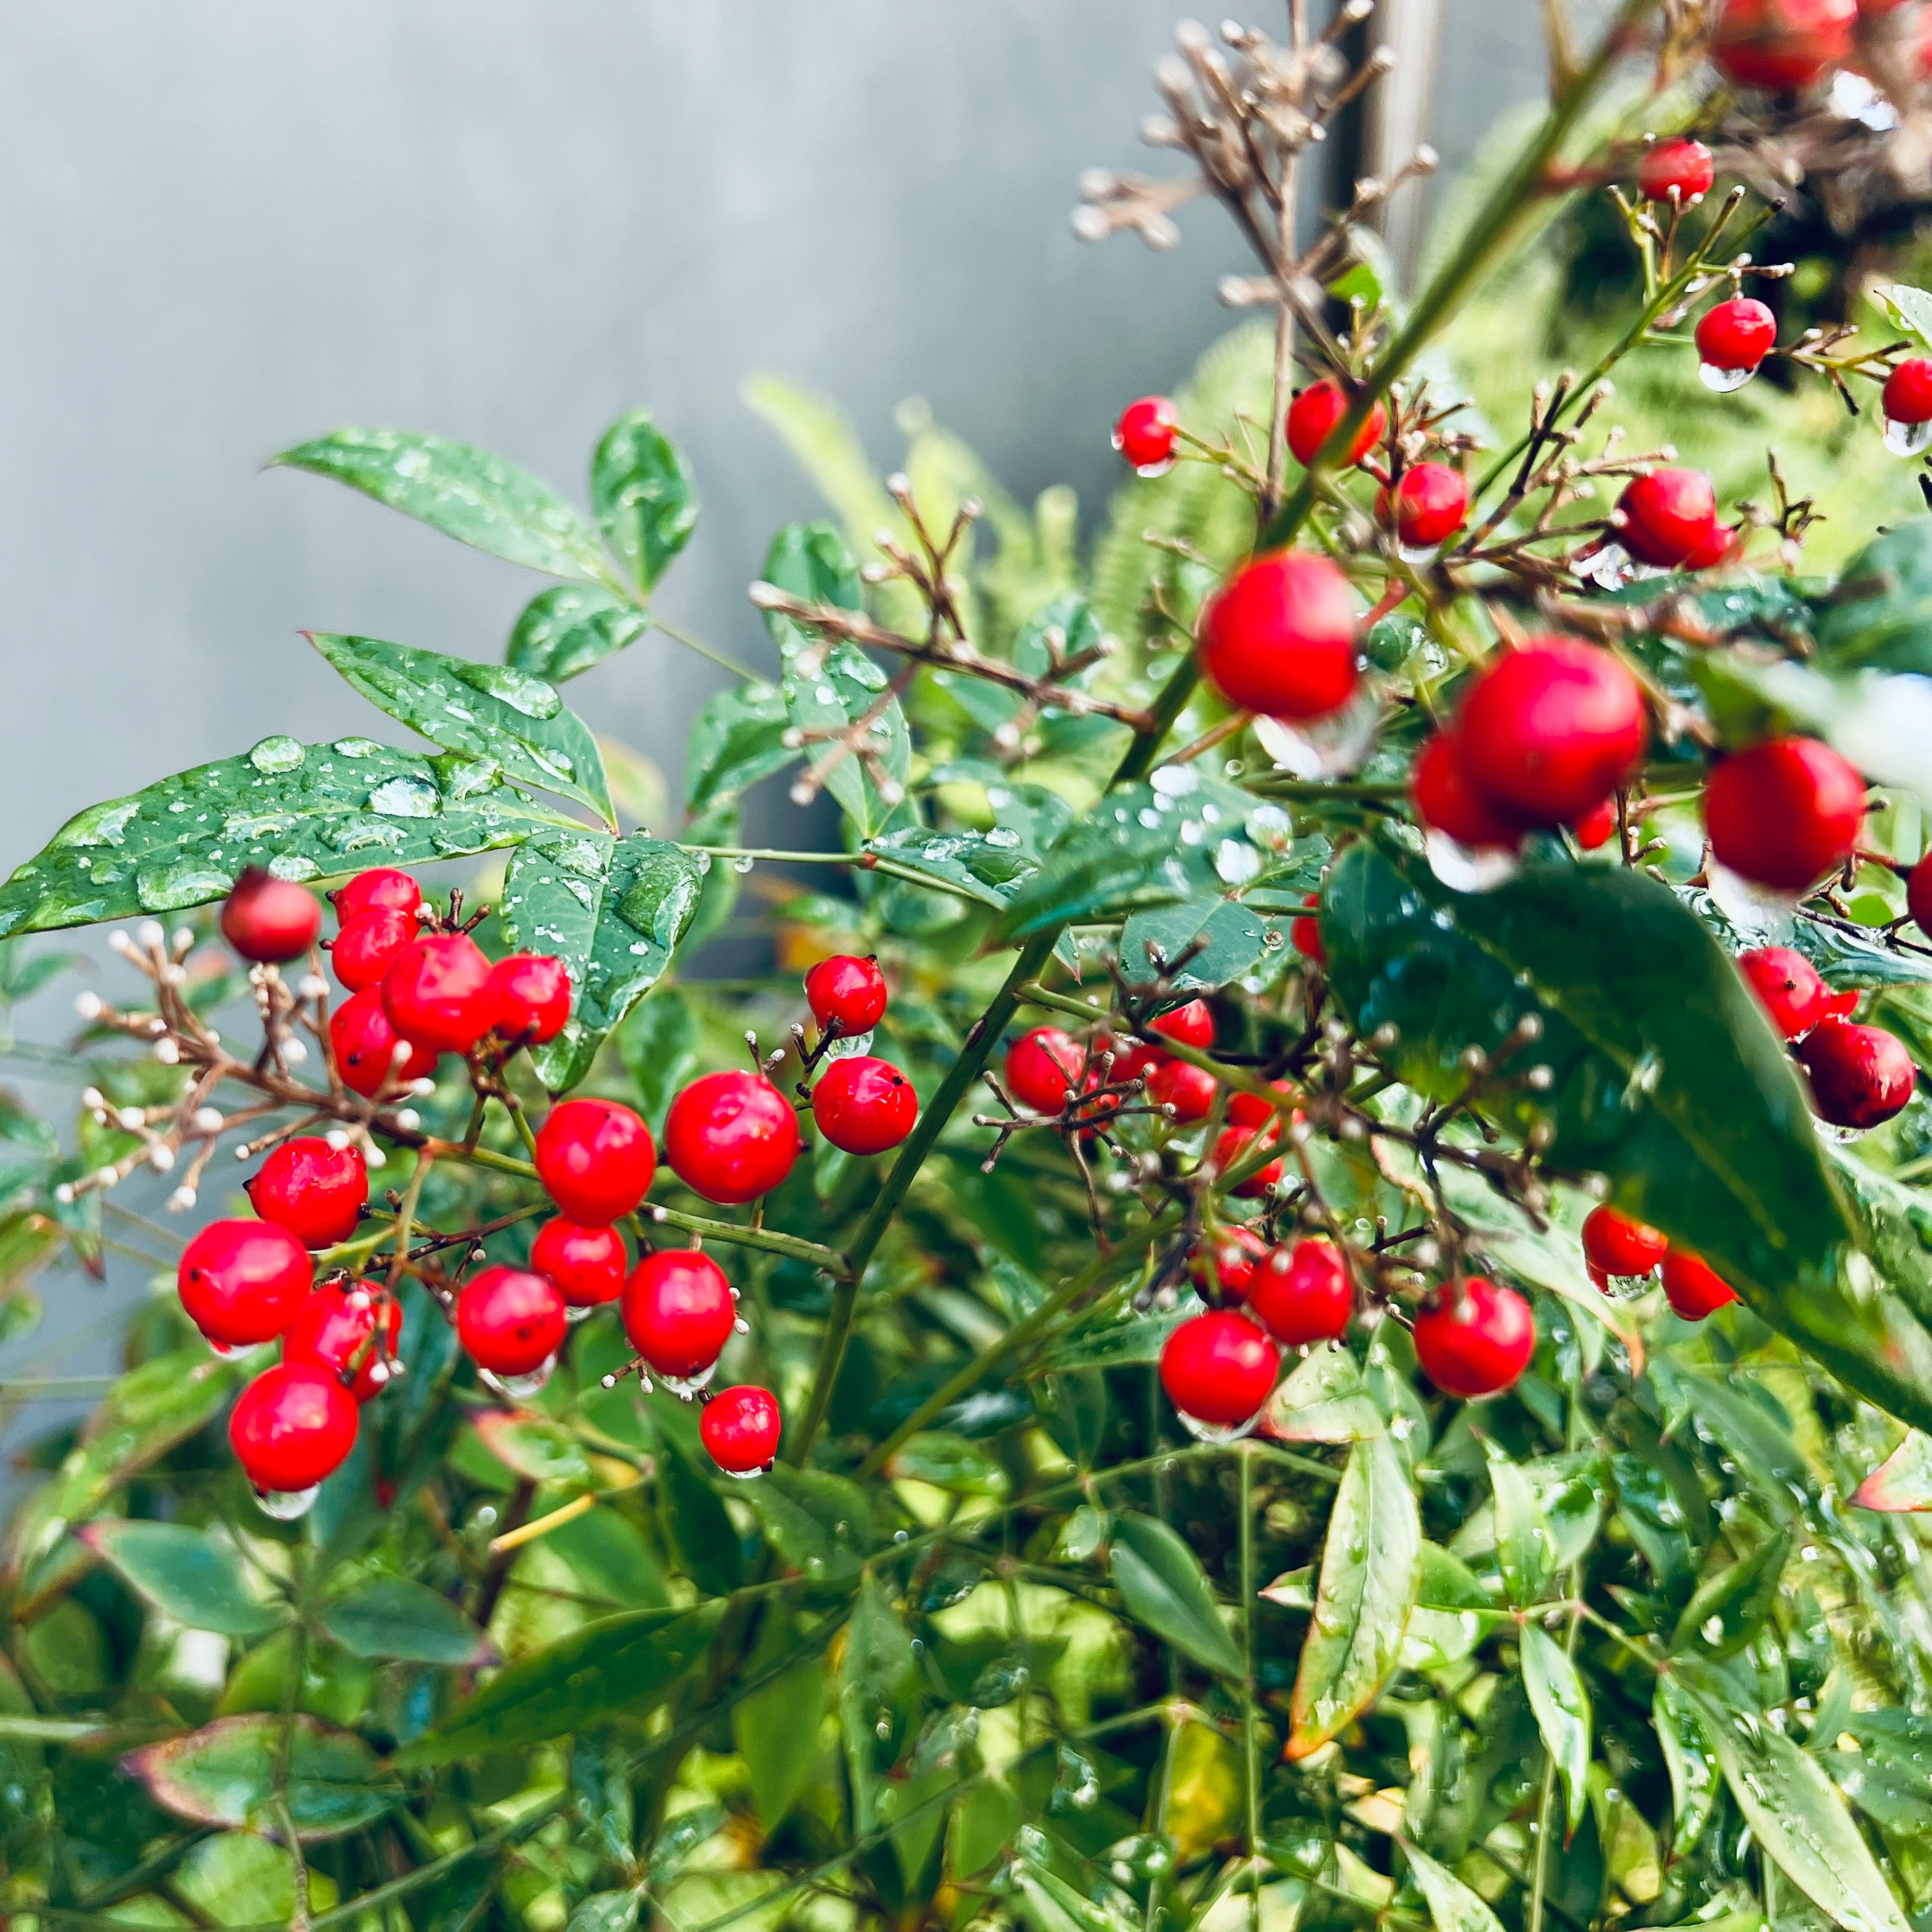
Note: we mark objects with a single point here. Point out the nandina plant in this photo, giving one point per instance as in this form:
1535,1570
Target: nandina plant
1303,1299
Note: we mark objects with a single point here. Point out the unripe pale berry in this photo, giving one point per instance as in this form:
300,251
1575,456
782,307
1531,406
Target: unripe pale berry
1907,396
315,1191
364,1044
1188,1090
244,1282
1042,1067
269,919
864,1106
1279,636
367,946
596,1159
1236,1252
527,997
1445,802
1782,44
1219,1368
381,889
1788,987
1666,516
510,1321
432,992
1693,1288
1550,730
1680,170
587,1263
1736,334
1784,813
849,990
1144,434
1618,1243
678,1311
739,1428
1315,413
731,1137
1475,1337
1861,1075
1302,1293
291,1426
335,1323
1428,504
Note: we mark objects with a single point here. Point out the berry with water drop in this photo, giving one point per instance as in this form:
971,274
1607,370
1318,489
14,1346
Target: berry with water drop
510,1321
678,1312
848,991
1861,1075
340,1326
293,1425
1315,413
588,1263
739,1428
1788,987
1302,1293
1144,434
1619,1243
244,1282
1042,1067
1735,335
1278,637
1445,802
1219,1368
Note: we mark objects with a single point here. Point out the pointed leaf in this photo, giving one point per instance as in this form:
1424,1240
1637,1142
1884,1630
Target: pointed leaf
776,1728
466,492
643,495
1525,1550
1233,939
1325,1400
1903,1480
1562,1708
737,739
1162,1587
1731,1606
1452,1905
224,1775
1370,1569
566,630
984,866
818,1522
1688,1757
185,1573
396,1616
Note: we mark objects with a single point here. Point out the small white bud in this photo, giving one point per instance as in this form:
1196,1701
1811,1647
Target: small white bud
400,1053
209,1119
167,1052
161,1156
294,1053
150,934
378,1372
376,1157
1090,224
408,1119
312,986
181,1200
121,943
92,1096
88,1005
657,1213
1530,1027
214,1038
422,1088
610,1382
129,1119
184,938
801,794
1541,1079
63,1194
336,1140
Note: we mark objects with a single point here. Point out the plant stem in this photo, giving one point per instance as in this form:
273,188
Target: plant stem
1251,1763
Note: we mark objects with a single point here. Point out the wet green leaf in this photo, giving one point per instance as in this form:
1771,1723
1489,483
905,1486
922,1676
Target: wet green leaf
1525,1550
1161,1586
1233,941
820,1524
396,1616
642,495
185,1573
1562,1708
1688,1757
984,866
569,629
950,1462
224,1775
1903,1480
776,1729
1731,1605
1452,1905
1324,1400
737,738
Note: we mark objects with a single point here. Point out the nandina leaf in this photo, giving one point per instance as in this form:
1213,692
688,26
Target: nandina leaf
565,631
981,864
1730,1605
1161,1585
820,1524
225,1774
186,1574
1903,1480
642,492
466,492
1453,1907
397,1617
1233,941
1325,1400
738,738
1562,1708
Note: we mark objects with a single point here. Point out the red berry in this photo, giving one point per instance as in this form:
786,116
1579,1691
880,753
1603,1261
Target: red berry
1788,987
1918,895
1860,1075
364,1044
510,1321
1664,517
731,1137
1782,44
381,889
1190,1025
1681,168
1428,504
1907,398
1250,1110
1618,1244
269,919
1445,802
1279,636
1042,1067
851,991
587,1265
1315,413
1693,1288
1304,933
739,1429
1233,1146
1596,827
527,997
1721,547
1219,1368
367,946
1474,1338
864,1106
1144,434
244,1282
1302,1293
596,1159
335,1323
291,1425
1131,1058
432,992
1737,333
1550,730
1188,1090
314,1190
1784,813
678,1312
1236,1252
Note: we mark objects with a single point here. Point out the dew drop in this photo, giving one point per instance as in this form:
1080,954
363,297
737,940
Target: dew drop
1217,1433
518,1386
405,796
1003,837
1908,439
1469,868
281,753
1724,382
851,1046
1323,747
743,863
685,1387
286,1505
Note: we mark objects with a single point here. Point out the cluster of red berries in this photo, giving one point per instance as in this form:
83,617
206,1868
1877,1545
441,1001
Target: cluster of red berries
1617,1247
1860,1076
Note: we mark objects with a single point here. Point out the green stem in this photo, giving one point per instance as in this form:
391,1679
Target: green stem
865,862
1251,1760
794,1247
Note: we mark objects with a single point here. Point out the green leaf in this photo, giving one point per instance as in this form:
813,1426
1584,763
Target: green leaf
304,811
1562,1708
1370,1568
1162,1587
828,686
224,1775
185,1573
396,1616
535,1448
465,493
491,713
1234,941
983,866
1731,1605
1688,1758
1324,1400
1796,1813
605,1912
235,1878
819,1523
1452,1905
776,1728
642,493
627,1663
1910,308
613,911
950,1462
1525,1550
738,738
571,628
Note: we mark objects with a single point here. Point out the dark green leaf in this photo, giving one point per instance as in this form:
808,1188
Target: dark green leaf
613,911
737,738
396,1616
1688,1757
1234,942
1562,1708
1370,1568
224,1775
984,865
185,1573
642,493
566,630
626,1662
1162,1587
819,1523
465,493
304,811
1731,1605
950,1462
